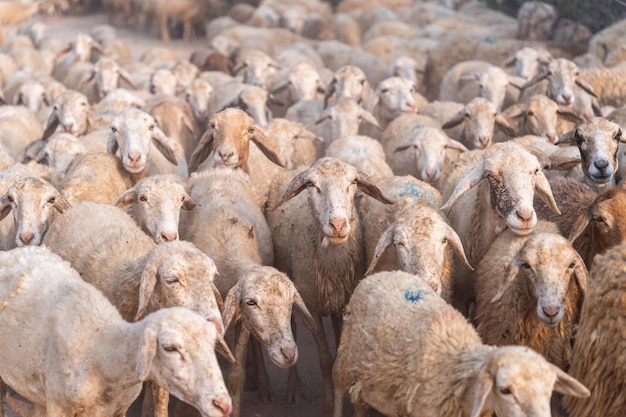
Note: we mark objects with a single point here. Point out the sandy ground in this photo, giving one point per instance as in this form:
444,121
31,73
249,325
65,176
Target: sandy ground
67,28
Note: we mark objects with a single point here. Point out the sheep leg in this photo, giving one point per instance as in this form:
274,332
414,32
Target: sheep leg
165,35
237,375
263,379
337,321
294,385
360,409
326,365
2,394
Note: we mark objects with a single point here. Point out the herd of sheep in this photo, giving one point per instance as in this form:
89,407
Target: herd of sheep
443,181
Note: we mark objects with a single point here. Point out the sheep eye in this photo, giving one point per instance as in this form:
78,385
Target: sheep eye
83,104
599,220
362,82
51,200
170,348
55,108
466,115
445,240
250,302
151,127
384,91
251,130
618,135
171,280
10,199
505,391
578,137
525,265
113,129
572,265
530,113
143,198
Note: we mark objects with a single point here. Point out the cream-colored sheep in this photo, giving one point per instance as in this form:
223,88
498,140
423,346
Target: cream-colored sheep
19,128
258,68
349,81
252,99
340,119
71,111
405,351
96,365
318,241
35,203
600,340
362,152
59,150
105,76
392,97
529,290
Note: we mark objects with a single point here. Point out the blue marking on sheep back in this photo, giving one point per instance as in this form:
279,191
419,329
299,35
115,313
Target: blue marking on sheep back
414,295
490,41
411,189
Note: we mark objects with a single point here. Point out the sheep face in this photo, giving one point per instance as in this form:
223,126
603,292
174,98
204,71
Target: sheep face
71,111
198,95
349,81
529,61
155,203
258,68
263,298
562,75
163,81
303,83
598,141
406,67
346,116
133,131
546,264
503,383
178,353
331,187
33,202
32,95
394,96
59,151
107,74
178,274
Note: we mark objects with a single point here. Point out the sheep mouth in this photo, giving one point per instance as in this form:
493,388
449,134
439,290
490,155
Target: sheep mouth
601,178
521,231
548,322
335,240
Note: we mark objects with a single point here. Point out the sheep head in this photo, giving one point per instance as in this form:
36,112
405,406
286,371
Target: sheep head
513,175
106,73
529,61
492,84
302,83
59,150
33,202
546,264
71,110
155,203
228,136
262,299
349,81
332,185
393,96
177,352
255,102
257,68
480,117
346,115
132,132
504,383
598,141
31,94
562,76
198,95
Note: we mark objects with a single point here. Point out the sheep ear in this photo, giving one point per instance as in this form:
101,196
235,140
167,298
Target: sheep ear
586,86
222,348
365,184
515,111
61,203
18,99
597,110
504,126
51,125
128,197
456,120
563,163
326,114
568,385
542,186
473,76
482,388
188,202
454,144
239,67
298,184
567,138
3,99
455,241
87,80
280,87
232,312
582,274
515,81
5,206
321,88
569,115
268,146
124,75
303,313
579,226
510,61
146,354
202,151
509,276
373,102
146,287
369,118
112,145
466,183
330,90
537,78
384,241
164,145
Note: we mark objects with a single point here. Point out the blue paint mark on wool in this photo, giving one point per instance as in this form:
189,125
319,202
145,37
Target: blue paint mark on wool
414,295
411,190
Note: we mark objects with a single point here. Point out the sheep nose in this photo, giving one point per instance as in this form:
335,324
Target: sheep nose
134,157
551,311
601,164
484,141
552,137
224,406
567,98
524,215
68,127
431,174
410,108
26,237
289,354
225,156
338,224
169,236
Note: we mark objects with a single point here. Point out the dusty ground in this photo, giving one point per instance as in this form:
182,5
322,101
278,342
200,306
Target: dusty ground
311,406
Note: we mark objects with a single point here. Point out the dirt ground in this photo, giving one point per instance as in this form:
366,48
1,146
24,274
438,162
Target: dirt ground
67,27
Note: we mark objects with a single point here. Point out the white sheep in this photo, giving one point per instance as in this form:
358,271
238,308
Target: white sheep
600,339
349,81
529,290
528,61
343,118
252,99
96,365
19,128
362,152
405,351
258,68
326,259
59,150
393,96
137,137
105,76
71,111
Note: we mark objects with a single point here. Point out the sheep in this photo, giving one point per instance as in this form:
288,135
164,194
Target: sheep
408,68
600,339
470,79
362,152
173,347
227,139
503,199
79,52
349,81
35,203
440,367
345,116
59,151
258,68
252,99
418,150
155,203
300,82
393,96
19,128
72,112
162,82
593,223
198,95
229,226
606,83
33,95
136,135
536,20
529,290
326,262
480,117
106,75
598,140
14,13
528,61
210,59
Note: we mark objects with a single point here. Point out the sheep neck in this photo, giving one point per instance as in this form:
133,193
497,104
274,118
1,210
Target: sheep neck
486,223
